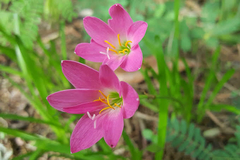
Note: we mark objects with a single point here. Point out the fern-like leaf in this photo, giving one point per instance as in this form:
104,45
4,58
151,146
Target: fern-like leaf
29,12
188,140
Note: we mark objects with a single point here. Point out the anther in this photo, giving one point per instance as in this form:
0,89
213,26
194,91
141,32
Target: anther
110,44
109,102
119,40
104,109
123,51
126,44
113,50
102,94
117,105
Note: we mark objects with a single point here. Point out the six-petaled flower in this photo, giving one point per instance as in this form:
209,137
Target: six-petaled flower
115,43
101,97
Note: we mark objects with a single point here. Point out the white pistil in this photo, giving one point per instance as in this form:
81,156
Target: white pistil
93,116
89,115
106,53
95,124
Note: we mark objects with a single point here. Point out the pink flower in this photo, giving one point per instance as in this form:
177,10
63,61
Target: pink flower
115,43
103,100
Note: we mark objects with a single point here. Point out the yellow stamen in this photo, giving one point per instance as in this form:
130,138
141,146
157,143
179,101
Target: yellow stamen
104,109
119,39
110,44
102,94
123,51
102,100
109,103
126,44
113,50
117,105
106,100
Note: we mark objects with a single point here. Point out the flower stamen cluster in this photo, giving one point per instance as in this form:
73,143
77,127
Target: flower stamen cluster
124,49
106,100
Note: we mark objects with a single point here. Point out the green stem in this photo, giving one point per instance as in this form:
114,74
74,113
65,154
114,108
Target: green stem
135,153
63,40
161,97
163,104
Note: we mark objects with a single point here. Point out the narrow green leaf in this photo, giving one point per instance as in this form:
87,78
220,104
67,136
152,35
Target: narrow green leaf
18,133
10,70
135,153
81,60
9,52
149,105
29,119
36,154
208,83
21,157
63,40
147,79
35,103
220,84
219,107
163,103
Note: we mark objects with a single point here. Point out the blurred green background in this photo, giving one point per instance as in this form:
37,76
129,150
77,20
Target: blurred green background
190,81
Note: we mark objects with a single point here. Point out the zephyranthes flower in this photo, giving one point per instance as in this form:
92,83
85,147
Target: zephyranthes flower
115,43
103,100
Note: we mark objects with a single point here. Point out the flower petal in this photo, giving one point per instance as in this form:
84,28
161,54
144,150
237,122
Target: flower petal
85,135
133,61
84,108
130,100
99,31
108,78
71,98
114,61
120,21
136,32
80,75
91,51
113,126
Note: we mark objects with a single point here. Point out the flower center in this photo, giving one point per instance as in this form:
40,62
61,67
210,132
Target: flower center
112,100
123,48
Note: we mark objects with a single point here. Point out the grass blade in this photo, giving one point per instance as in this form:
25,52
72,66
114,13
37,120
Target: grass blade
208,83
10,70
218,87
29,119
63,40
135,153
18,133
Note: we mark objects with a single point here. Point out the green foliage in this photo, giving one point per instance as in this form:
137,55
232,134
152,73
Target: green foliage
181,90
188,139
57,10
205,104
29,12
